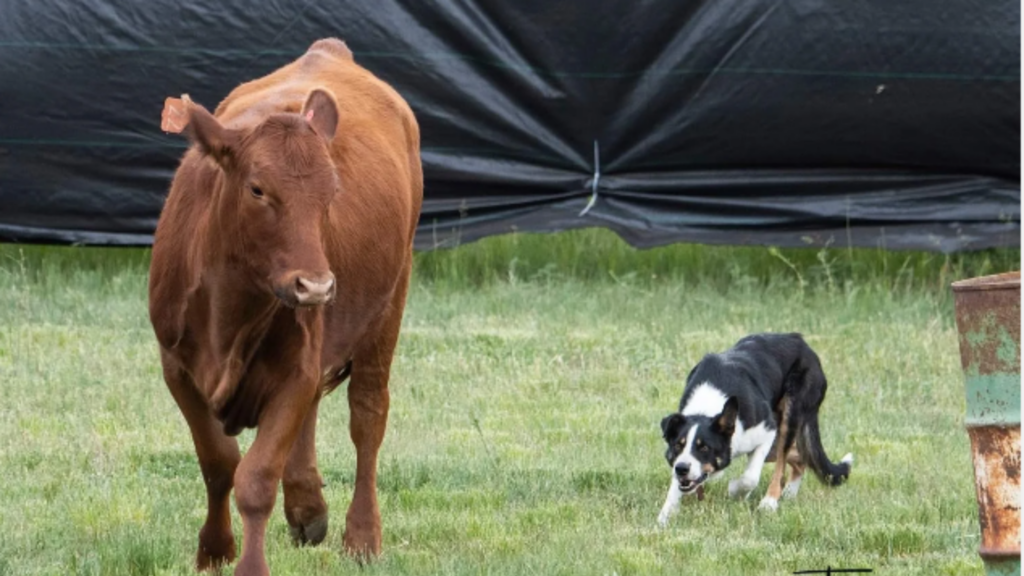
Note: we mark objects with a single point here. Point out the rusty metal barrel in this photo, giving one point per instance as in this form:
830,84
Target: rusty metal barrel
988,321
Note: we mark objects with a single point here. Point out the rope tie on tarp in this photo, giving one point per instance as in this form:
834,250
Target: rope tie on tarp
597,179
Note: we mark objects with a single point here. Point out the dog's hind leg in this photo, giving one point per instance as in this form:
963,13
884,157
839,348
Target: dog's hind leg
771,498
675,494
782,446
795,462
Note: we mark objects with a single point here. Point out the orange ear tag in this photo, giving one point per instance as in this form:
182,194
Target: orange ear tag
174,118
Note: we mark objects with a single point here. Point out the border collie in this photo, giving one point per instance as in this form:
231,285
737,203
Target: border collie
760,398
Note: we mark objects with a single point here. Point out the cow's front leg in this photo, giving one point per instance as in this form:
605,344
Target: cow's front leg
218,457
260,471
304,504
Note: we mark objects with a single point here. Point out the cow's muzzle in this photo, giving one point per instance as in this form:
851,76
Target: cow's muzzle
304,289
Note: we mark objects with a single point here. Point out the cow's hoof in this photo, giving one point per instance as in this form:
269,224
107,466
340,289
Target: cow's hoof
311,533
205,562
362,546
215,549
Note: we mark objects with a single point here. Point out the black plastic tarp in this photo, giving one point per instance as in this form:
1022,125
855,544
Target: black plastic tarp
879,123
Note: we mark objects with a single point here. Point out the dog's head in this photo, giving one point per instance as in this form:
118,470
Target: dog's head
698,445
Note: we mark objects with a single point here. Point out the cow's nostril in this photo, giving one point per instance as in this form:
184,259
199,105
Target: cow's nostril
312,293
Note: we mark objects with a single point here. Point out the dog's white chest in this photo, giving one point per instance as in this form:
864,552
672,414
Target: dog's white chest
745,441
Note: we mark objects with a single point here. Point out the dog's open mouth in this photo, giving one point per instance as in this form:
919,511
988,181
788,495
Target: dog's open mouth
687,485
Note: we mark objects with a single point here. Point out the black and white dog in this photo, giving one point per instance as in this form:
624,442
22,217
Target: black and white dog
764,392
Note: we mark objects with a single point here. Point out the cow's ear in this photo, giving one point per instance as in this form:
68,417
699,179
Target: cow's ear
213,139
321,111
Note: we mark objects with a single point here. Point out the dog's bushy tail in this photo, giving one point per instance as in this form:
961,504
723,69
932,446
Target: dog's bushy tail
814,456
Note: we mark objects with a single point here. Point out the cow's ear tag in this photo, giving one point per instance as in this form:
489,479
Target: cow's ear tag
309,116
175,117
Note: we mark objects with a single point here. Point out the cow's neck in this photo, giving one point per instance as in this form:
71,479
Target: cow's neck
239,309
239,319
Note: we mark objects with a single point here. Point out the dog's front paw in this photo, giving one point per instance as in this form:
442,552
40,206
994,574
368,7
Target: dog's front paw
768,504
740,488
663,520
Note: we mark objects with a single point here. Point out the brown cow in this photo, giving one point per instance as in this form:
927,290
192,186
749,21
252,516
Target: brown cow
280,267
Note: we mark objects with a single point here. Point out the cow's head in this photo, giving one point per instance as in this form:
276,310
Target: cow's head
273,196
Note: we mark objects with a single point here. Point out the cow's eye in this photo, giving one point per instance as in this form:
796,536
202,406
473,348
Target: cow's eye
256,192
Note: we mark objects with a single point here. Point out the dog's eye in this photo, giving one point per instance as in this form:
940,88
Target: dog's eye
703,448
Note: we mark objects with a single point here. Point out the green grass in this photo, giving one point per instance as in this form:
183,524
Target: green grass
526,395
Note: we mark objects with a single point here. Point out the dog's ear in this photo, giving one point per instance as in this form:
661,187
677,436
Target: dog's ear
670,426
725,423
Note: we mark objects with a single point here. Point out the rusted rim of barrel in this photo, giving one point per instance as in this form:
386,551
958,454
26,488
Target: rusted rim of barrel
993,282
998,554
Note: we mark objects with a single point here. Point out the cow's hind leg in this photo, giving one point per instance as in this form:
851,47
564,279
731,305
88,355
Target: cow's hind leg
368,400
304,504
218,457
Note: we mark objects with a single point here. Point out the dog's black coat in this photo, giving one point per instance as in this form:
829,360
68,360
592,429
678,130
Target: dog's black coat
756,375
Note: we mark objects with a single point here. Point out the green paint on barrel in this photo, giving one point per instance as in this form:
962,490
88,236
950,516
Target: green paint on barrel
990,334
993,399
1003,567
1008,351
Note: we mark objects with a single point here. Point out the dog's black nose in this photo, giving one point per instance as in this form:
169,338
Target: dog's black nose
682,469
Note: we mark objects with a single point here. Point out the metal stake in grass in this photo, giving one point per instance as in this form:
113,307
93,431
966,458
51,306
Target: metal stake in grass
476,424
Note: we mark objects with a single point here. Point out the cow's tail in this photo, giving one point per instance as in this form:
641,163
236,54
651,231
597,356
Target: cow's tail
813,454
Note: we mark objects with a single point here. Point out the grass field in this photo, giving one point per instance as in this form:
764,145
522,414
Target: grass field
526,395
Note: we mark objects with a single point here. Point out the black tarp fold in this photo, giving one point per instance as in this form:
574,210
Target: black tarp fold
726,121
